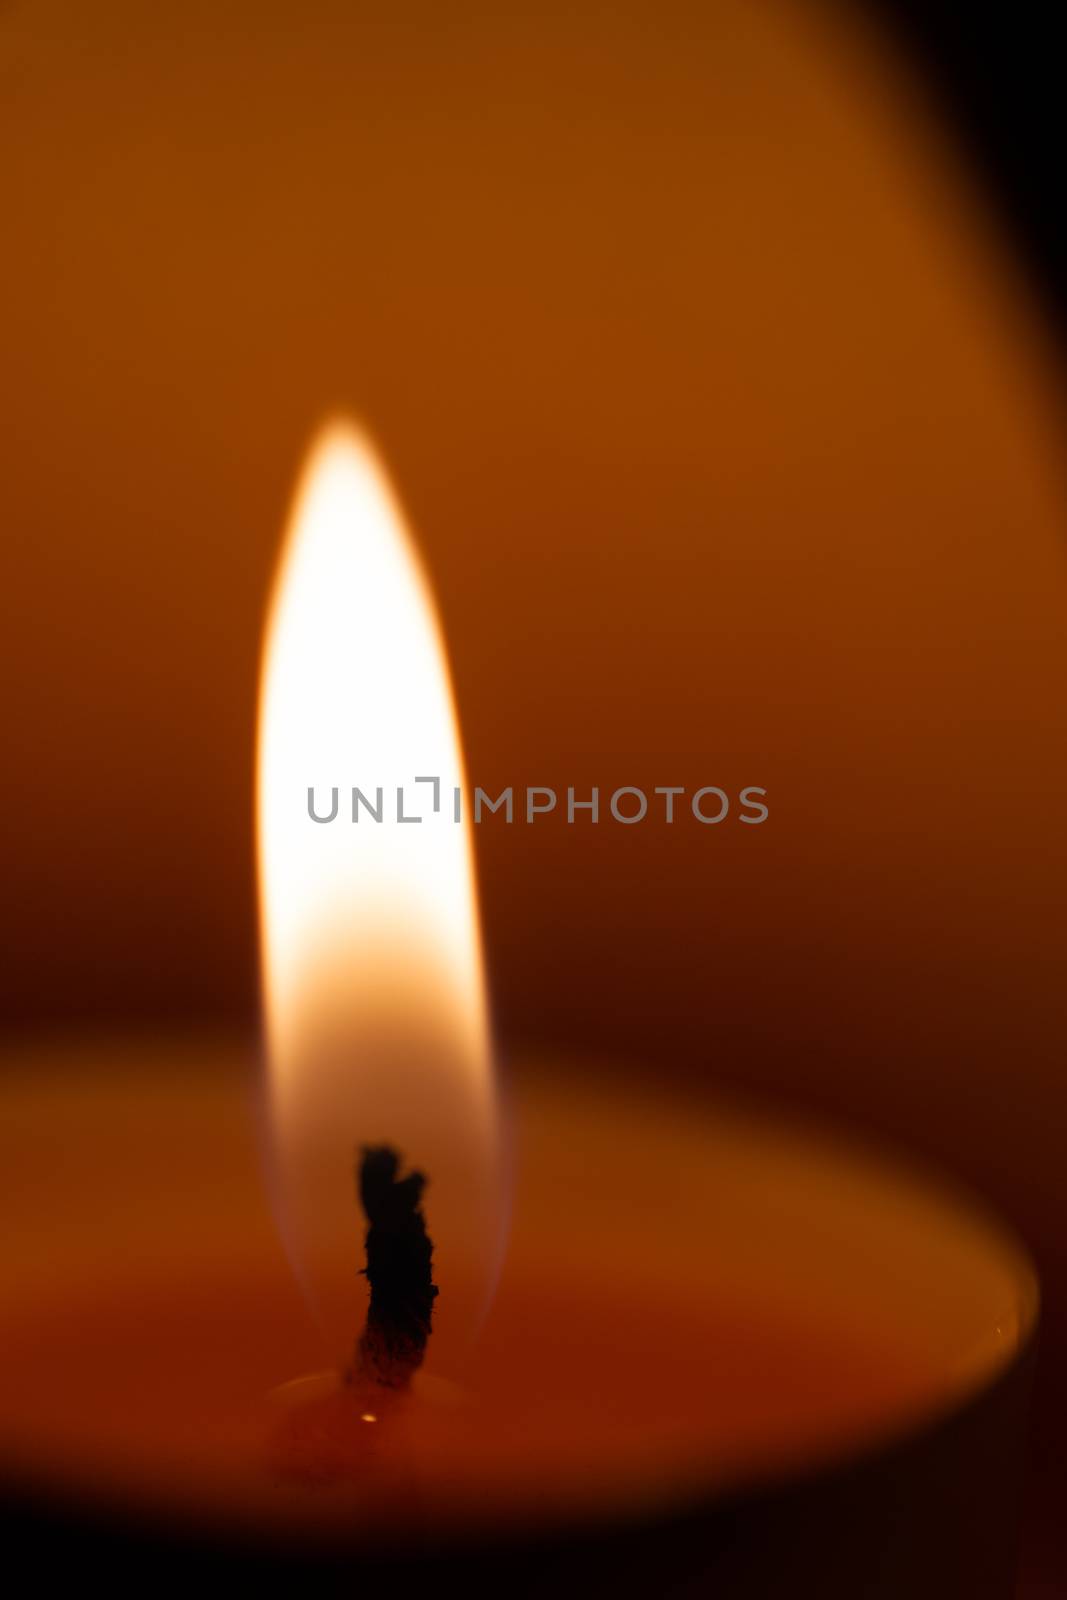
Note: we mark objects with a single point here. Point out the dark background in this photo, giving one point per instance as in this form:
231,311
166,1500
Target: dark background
993,71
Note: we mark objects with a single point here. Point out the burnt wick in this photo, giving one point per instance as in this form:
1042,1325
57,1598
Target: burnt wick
399,1270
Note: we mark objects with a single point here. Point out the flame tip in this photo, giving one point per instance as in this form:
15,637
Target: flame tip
344,430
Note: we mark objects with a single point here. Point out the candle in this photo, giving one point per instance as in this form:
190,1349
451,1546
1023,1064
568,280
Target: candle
722,1347
718,1339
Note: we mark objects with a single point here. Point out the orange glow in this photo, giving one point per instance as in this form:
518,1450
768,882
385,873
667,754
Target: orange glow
372,971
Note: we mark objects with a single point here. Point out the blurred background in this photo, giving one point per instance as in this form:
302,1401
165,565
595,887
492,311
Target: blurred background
717,352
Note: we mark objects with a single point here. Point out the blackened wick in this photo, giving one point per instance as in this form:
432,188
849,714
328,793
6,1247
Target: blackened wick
399,1269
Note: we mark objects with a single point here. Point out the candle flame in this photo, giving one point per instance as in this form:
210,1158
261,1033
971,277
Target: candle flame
375,1012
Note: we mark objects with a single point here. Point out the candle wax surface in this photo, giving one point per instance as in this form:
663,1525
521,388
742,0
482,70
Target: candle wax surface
693,1296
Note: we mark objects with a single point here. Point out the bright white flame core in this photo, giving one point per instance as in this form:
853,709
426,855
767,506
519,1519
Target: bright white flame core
372,972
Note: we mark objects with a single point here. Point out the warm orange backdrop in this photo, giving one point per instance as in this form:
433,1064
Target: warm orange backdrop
726,428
